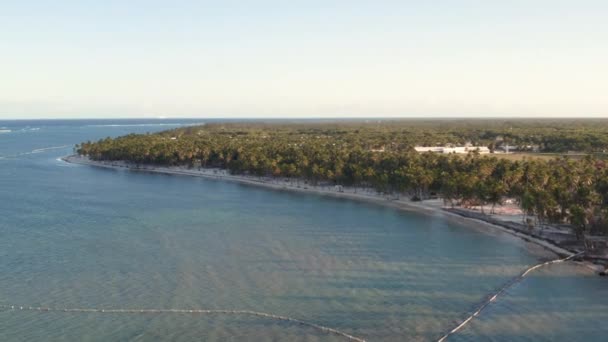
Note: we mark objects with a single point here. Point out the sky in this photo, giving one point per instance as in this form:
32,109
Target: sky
441,58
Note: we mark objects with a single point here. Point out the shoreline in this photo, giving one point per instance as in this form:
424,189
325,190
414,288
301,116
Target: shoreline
360,194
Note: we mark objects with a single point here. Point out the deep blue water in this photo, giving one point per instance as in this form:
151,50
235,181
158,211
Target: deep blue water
75,236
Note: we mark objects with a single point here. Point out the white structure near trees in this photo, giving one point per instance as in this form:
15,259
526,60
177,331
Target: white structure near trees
456,149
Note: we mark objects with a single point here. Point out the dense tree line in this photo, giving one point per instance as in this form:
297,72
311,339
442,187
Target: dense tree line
380,156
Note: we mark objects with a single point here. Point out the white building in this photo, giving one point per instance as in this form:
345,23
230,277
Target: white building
423,149
456,149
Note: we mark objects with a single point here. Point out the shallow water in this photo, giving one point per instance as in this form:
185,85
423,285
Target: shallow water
82,237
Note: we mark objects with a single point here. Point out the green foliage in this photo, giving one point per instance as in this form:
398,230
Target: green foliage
381,155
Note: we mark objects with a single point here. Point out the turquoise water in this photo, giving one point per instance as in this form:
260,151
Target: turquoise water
74,236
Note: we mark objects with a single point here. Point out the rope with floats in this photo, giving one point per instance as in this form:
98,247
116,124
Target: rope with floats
319,327
191,311
501,291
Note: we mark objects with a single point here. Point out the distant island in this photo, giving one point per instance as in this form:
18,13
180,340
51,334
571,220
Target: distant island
553,171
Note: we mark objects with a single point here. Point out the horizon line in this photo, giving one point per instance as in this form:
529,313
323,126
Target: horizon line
522,117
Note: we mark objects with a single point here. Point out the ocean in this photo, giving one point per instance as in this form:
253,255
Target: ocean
78,237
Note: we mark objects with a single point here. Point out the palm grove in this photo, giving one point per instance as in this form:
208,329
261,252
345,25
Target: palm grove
380,155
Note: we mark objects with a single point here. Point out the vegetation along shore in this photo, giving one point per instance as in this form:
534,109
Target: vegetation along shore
562,200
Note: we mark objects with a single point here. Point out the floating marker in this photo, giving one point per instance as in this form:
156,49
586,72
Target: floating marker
199,311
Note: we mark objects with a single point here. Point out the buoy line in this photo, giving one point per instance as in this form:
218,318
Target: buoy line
186,311
319,327
501,291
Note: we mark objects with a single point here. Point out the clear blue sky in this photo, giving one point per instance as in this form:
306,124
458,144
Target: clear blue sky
128,58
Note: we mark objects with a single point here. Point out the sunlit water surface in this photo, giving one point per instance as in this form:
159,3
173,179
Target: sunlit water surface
81,237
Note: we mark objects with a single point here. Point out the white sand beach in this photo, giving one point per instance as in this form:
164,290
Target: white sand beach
435,206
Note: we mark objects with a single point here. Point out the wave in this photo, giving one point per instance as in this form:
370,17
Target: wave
192,311
62,163
36,151
49,148
26,129
22,130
